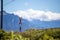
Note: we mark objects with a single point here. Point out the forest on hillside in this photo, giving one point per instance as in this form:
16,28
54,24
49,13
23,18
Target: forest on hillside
31,34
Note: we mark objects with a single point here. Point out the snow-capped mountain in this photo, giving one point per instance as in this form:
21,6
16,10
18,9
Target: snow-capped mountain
11,22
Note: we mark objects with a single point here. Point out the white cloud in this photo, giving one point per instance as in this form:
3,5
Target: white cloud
31,14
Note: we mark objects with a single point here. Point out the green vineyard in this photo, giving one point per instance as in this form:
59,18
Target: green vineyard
31,34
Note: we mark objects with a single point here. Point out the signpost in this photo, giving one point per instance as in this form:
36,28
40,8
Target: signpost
20,24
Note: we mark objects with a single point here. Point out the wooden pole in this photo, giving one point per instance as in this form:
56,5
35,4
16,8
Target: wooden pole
1,14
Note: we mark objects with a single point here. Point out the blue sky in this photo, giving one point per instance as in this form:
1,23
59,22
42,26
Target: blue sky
44,5
43,10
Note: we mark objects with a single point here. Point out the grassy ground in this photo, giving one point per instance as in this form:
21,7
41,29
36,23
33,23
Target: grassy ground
31,34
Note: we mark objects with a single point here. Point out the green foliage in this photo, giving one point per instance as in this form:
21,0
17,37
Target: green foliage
31,34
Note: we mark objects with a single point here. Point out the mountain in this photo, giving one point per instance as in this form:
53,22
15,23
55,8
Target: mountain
11,22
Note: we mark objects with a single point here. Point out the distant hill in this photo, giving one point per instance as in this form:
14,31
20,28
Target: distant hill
31,34
11,22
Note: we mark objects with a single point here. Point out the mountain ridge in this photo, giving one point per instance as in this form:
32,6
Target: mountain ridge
11,22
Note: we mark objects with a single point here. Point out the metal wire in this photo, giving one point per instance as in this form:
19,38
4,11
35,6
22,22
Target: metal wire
8,2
